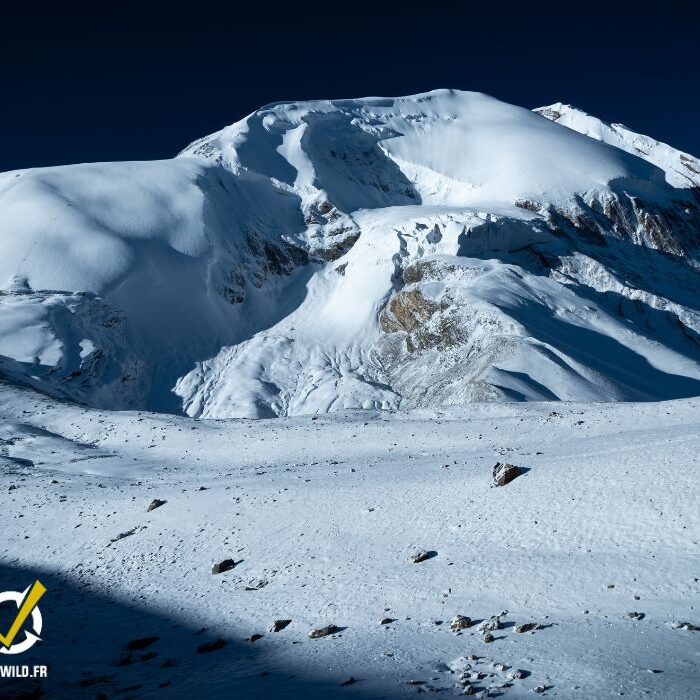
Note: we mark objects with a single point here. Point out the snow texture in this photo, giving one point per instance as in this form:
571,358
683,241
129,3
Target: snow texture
321,518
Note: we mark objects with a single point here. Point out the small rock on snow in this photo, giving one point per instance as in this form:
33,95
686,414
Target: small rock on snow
279,625
505,473
323,631
225,565
211,646
460,622
422,555
687,626
526,627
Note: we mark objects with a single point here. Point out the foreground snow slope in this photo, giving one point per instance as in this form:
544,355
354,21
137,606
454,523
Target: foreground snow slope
374,253
321,517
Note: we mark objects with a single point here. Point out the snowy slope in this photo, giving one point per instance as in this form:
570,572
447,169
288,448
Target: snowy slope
681,169
322,516
373,253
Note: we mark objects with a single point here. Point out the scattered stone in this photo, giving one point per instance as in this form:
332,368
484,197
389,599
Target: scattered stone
323,631
526,627
137,644
208,647
279,625
488,638
611,585
517,674
352,679
687,626
504,473
122,535
654,670
422,555
636,615
386,620
155,503
460,622
539,689
493,623
256,584
221,567
255,637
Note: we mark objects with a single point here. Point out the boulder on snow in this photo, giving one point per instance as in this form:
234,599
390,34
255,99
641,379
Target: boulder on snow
155,503
504,473
225,565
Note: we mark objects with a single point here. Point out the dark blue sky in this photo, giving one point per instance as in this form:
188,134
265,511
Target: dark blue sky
122,81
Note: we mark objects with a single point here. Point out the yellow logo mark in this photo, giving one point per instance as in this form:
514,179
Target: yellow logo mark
26,603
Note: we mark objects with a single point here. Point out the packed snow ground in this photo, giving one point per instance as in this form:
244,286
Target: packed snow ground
321,515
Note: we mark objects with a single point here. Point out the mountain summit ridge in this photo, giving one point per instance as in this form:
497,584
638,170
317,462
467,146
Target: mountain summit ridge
422,251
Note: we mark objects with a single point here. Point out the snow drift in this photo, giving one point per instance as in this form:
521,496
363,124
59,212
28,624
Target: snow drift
421,251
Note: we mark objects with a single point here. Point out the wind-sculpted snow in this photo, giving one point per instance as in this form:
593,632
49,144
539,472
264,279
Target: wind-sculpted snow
373,253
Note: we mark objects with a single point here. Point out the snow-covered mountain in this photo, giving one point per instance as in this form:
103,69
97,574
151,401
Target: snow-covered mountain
421,251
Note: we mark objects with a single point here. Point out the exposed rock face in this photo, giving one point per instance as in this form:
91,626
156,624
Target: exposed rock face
337,246
416,316
261,260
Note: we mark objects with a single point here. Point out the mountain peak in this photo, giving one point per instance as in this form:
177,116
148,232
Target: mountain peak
427,250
